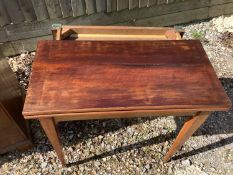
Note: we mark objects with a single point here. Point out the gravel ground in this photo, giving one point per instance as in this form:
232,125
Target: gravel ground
136,146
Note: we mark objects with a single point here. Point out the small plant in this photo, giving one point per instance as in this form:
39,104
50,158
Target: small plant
198,35
146,149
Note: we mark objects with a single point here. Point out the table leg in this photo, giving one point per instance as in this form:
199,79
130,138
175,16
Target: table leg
187,130
49,127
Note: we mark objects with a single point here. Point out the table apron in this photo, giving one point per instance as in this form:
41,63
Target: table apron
117,114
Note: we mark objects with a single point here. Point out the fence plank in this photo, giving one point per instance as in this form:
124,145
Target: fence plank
90,6
3,36
122,4
175,18
17,47
66,9
152,2
14,11
111,5
28,11
133,4
4,17
40,9
219,2
143,3
101,5
28,44
54,8
28,30
6,49
221,9
78,7
35,29
170,1
161,2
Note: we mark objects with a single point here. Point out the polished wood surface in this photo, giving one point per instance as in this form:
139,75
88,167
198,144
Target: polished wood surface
80,80
96,76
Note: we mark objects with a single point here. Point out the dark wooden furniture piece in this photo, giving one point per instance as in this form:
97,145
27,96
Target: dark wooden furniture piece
14,133
81,80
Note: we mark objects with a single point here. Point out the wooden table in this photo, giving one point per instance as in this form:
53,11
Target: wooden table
82,80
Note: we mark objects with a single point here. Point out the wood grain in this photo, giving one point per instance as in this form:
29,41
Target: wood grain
40,9
32,30
117,33
77,76
122,4
79,7
3,36
101,5
120,32
116,114
90,6
54,9
143,3
11,105
186,131
133,4
66,8
111,5
28,10
152,2
4,16
51,131
161,2
14,11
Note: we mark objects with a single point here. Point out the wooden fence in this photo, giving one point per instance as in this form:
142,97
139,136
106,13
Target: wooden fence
23,22
19,11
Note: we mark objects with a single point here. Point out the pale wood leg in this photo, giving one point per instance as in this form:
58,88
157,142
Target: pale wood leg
49,127
187,130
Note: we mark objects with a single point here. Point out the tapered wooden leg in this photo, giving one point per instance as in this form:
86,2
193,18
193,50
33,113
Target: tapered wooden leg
187,130
50,129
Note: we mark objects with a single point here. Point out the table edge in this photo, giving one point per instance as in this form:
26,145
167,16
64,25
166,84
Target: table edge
188,108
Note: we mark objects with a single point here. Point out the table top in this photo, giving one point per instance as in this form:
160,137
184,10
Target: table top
95,76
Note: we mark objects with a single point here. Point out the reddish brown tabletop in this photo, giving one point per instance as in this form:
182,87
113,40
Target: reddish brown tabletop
82,76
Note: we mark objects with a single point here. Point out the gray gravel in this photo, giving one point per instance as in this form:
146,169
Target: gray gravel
216,44
136,146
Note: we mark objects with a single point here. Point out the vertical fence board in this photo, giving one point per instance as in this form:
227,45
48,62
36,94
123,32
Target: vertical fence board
122,4
143,3
101,5
152,2
78,7
14,11
161,2
3,36
111,5
6,49
170,1
133,4
40,9
90,6
4,17
66,9
54,8
28,10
